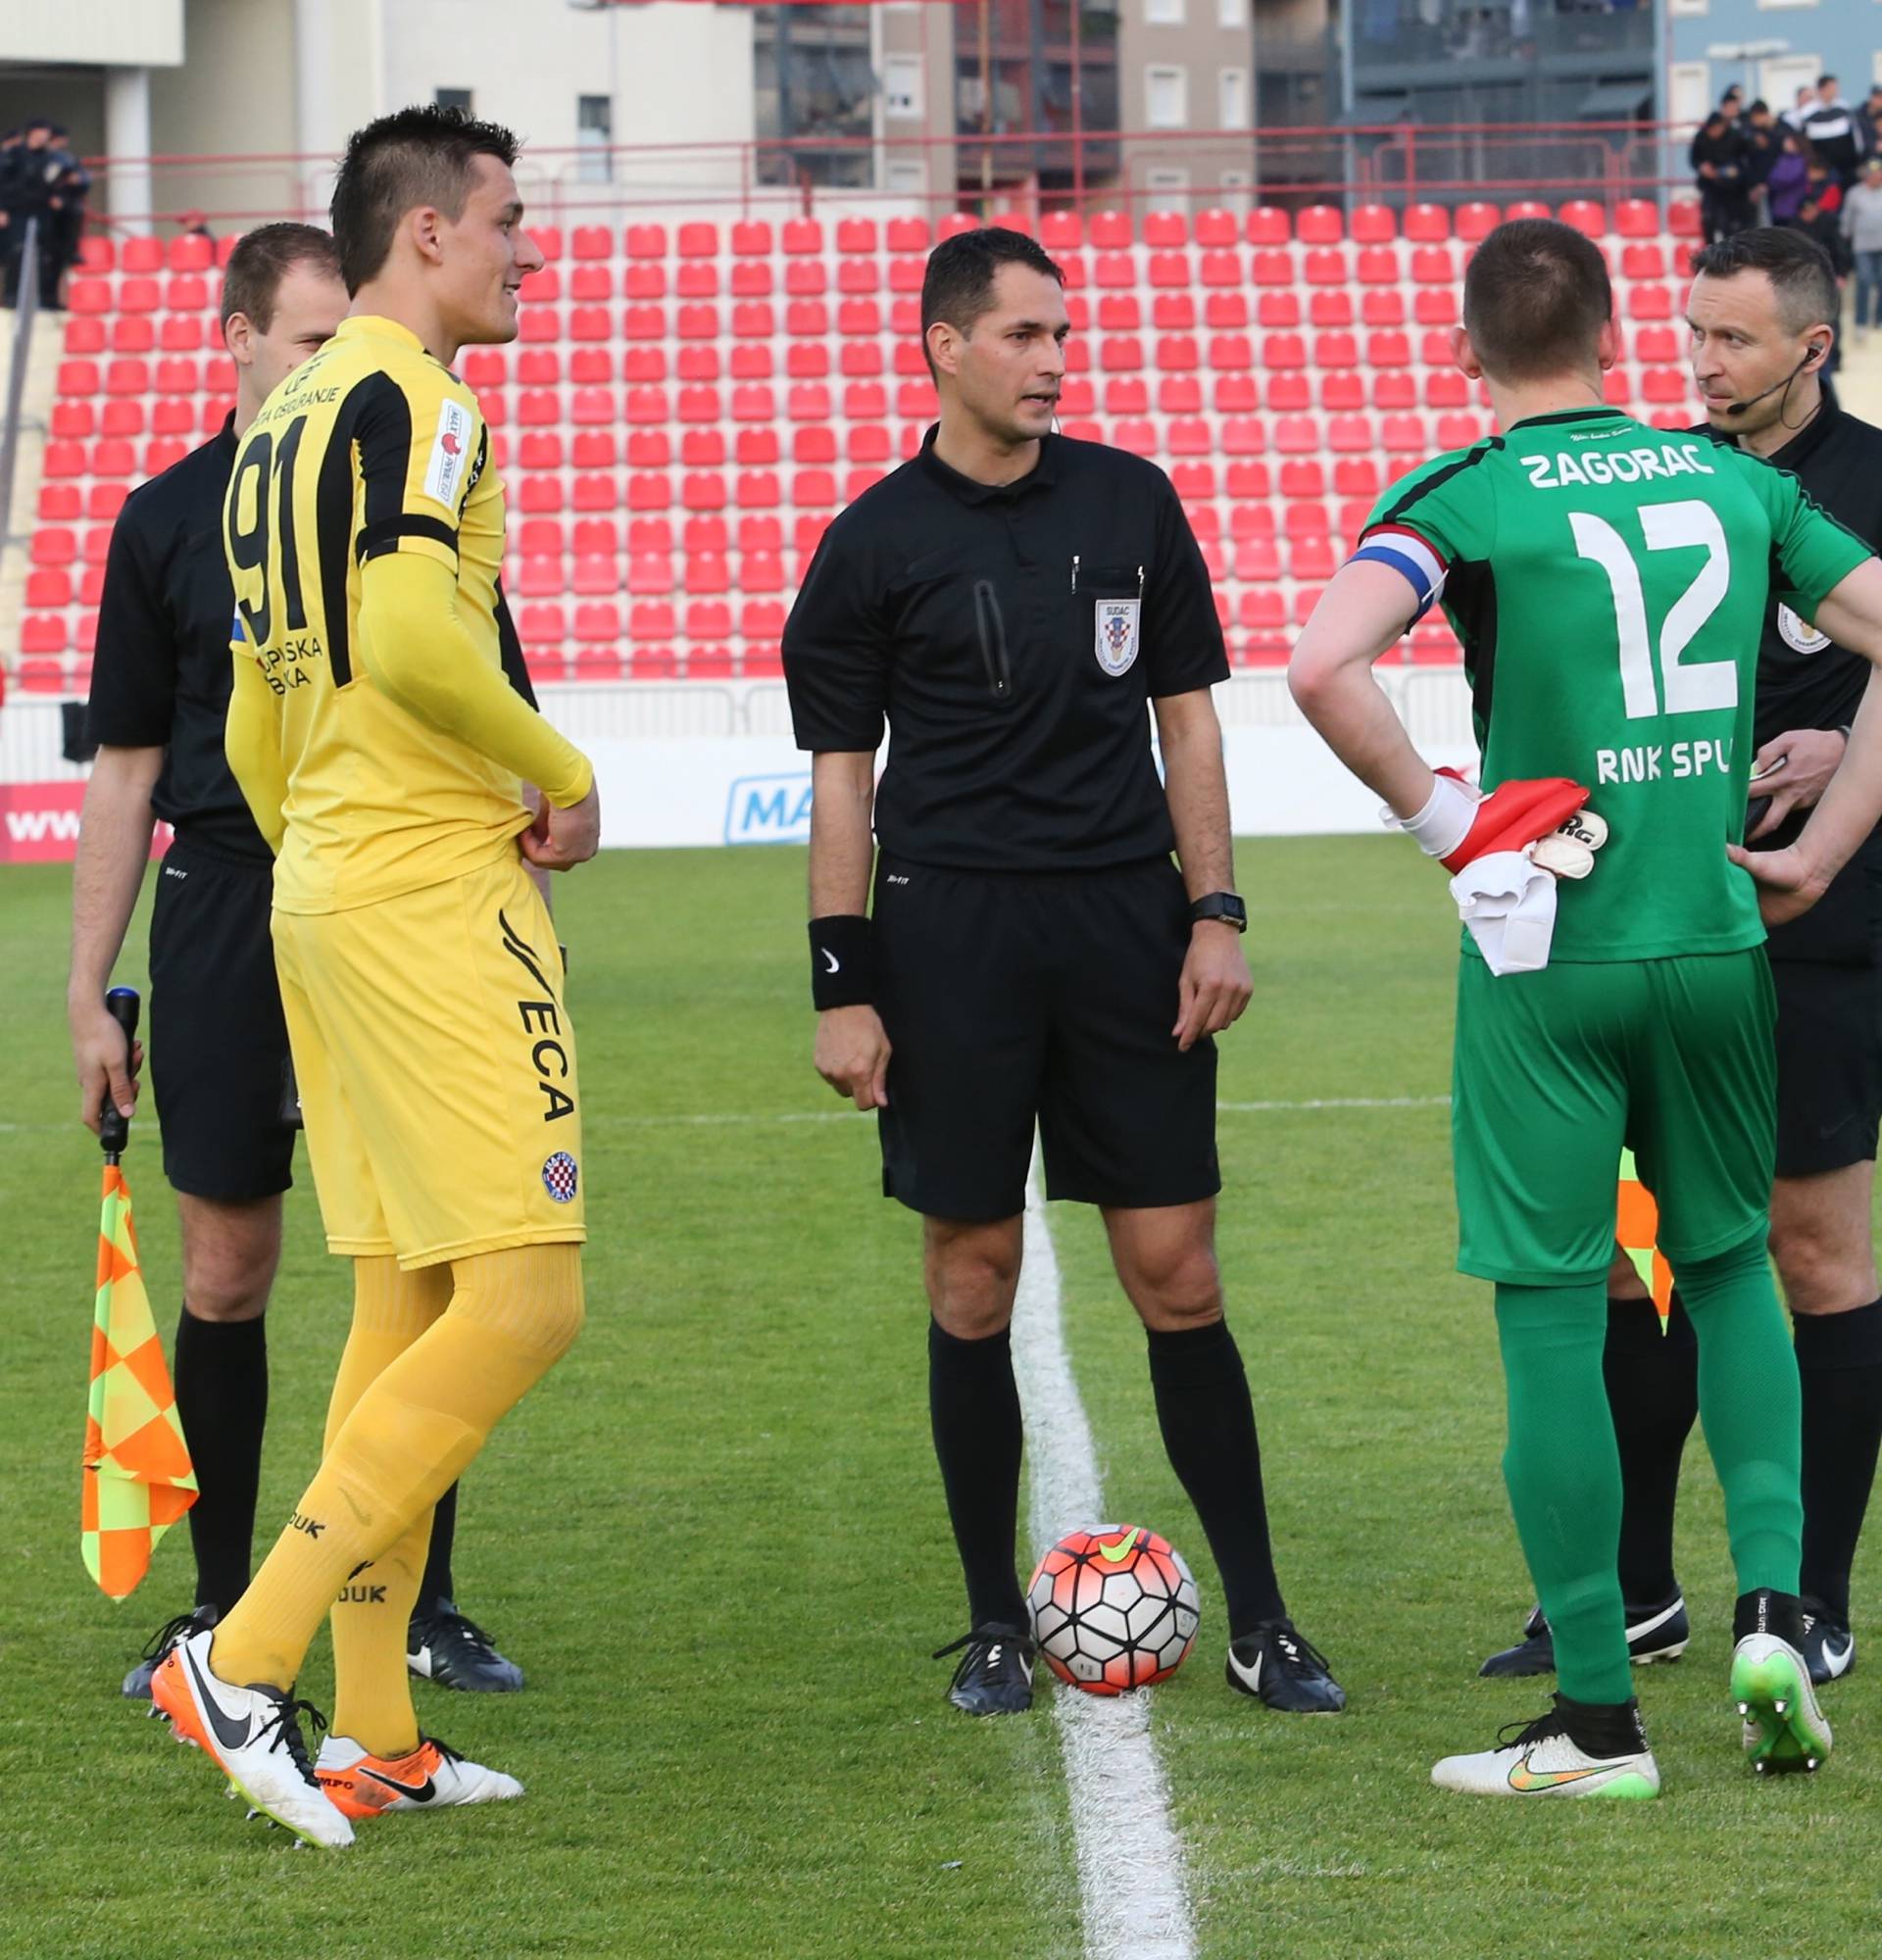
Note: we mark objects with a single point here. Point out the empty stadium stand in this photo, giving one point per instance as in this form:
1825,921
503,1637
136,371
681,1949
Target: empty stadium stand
688,405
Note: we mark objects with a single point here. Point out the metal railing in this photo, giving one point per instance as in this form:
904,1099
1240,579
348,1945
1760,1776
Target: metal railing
1393,162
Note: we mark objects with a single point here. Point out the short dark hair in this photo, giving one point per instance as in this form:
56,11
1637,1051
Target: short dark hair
263,258
1803,279
415,156
957,286
1825,81
1535,298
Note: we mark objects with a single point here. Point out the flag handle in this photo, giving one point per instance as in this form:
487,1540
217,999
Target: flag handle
113,1129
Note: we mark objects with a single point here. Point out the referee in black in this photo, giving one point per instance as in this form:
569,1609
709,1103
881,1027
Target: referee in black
1010,603
219,1054
1763,309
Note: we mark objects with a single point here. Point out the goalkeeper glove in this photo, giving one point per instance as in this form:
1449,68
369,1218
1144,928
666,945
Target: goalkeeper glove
1459,825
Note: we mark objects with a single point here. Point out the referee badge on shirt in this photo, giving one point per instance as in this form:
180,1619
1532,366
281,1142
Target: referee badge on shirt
1116,638
1798,634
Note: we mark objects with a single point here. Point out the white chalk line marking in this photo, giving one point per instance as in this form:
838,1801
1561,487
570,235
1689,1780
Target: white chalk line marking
1131,1877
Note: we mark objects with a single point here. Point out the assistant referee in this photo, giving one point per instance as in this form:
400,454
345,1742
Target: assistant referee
218,1043
1763,311
1009,603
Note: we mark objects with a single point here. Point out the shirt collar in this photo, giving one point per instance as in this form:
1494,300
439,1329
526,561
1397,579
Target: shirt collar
1591,414
225,437
375,326
1042,475
1812,435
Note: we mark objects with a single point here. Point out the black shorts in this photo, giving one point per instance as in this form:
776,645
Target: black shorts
1829,1065
1011,998
217,1043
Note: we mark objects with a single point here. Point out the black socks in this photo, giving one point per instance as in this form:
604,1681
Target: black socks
221,1401
437,1583
1839,1363
1653,1389
974,1405
1208,1420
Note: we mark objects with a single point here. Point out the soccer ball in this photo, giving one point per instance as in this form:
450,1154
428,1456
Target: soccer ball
1114,1608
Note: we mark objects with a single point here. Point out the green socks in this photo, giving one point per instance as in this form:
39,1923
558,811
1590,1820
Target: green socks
1750,1406
1562,1468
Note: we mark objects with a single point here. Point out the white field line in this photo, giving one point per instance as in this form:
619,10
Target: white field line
1130,1861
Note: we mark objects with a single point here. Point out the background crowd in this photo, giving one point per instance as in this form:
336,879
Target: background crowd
1815,165
40,178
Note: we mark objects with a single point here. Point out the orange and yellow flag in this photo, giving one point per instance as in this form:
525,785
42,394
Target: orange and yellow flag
1637,1227
138,1480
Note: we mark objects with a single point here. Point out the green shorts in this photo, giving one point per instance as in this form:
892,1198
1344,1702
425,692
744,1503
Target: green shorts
1553,1073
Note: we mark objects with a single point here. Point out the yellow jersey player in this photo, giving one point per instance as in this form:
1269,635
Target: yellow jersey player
384,754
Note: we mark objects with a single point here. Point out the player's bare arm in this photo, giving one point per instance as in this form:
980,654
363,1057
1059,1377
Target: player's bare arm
1361,614
1794,879
114,847
1215,987
851,1052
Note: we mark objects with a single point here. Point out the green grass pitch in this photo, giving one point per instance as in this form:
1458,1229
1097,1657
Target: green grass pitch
714,1536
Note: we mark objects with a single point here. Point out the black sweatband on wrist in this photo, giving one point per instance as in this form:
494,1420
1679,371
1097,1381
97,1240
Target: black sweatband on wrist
842,962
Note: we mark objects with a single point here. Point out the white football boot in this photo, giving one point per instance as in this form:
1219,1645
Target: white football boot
253,1736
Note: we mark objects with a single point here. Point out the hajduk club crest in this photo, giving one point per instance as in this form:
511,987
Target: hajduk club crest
1115,641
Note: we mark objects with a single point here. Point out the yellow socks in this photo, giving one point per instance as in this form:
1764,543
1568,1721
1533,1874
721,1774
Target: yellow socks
424,1389
372,1691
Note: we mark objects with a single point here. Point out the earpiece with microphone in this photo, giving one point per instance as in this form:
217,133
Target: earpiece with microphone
1817,350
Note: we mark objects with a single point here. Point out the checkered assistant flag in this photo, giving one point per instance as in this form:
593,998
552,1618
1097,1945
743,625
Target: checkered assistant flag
138,1480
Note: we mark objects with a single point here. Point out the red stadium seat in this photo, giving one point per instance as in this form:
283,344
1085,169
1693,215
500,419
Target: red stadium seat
1373,225
1434,266
1319,225
1637,217
1586,216
751,239
1643,261
1475,221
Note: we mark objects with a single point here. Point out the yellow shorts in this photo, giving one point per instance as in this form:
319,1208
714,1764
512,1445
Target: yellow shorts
436,1066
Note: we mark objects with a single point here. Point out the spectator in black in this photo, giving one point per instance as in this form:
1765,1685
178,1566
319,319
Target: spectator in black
69,185
11,144
1719,158
1830,124
1761,147
1731,106
1788,178
30,197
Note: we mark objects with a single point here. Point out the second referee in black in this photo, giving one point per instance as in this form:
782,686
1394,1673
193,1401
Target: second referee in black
1011,603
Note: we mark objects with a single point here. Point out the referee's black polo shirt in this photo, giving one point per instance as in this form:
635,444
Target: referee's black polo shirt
1805,680
1013,636
162,670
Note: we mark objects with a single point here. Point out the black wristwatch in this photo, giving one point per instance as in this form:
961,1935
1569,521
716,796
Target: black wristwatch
1224,905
